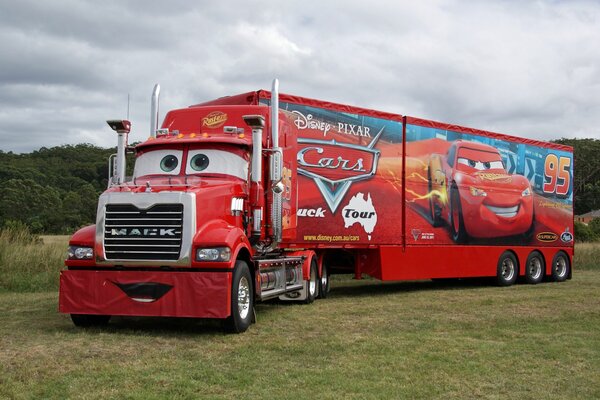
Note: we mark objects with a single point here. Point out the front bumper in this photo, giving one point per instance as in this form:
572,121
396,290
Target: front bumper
146,293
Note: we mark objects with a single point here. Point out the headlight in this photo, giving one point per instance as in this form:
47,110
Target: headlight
477,192
526,192
80,253
216,254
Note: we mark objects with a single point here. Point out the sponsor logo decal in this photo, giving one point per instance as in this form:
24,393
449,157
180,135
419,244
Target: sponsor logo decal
311,212
566,236
162,232
306,122
335,166
360,211
214,120
417,234
547,237
309,122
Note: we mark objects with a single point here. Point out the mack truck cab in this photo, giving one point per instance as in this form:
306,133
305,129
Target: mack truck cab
200,228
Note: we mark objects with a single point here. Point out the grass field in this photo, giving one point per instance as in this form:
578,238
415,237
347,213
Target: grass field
368,340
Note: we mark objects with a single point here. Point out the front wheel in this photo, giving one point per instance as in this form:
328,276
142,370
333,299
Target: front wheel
242,299
457,223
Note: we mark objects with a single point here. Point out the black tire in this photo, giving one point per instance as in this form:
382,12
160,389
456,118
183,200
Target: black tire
507,270
457,223
435,211
561,267
535,267
324,284
312,286
89,320
242,299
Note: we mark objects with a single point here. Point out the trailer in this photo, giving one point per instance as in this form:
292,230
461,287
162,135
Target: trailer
263,195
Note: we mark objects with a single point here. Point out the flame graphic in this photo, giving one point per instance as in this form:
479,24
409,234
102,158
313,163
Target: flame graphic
417,175
441,194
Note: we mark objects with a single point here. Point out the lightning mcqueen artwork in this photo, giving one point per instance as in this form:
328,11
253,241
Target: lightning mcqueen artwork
471,190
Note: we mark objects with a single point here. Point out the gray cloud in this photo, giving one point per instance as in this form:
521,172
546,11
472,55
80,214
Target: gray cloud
524,68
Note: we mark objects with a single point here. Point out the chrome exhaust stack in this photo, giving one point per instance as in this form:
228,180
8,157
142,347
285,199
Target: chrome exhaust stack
154,110
122,127
276,166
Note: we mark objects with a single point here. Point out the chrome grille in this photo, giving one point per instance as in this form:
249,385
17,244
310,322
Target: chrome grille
131,233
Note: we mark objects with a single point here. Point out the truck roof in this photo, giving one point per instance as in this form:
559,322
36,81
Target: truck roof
251,98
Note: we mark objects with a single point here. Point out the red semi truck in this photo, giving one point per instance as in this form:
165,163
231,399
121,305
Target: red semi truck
262,195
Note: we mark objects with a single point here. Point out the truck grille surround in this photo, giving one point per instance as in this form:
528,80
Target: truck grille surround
131,233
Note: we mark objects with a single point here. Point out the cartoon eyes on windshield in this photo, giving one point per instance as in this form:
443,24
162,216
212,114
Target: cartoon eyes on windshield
481,165
199,162
169,163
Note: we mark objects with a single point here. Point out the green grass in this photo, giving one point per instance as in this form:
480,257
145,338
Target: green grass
368,340
29,263
587,256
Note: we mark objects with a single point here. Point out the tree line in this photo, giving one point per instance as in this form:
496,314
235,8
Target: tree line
55,190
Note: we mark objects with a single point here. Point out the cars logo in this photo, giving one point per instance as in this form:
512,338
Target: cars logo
547,237
335,166
214,120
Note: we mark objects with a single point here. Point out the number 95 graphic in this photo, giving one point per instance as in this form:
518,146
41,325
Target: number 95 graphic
557,174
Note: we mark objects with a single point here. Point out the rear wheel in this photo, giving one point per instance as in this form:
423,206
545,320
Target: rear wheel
88,320
507,269
534,268
312,284
324,284
560,267
242,299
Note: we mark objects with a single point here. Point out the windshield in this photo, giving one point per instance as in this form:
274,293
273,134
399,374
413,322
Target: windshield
197,162
478,160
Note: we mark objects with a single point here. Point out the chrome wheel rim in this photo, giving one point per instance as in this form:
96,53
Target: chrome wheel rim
312,285
243,298
324,279
560,267
508,269
535,268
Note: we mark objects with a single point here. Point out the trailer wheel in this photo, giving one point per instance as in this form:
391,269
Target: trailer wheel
534,267
242,299
313,283
560,267
88,320
435,211
508,269
324,284
457,224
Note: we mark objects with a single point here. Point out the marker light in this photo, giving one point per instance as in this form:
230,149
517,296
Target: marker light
526,192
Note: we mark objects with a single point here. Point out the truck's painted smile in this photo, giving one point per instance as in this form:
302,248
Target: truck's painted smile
144,292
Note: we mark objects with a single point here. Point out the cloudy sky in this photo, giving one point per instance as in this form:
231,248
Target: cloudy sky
527,68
